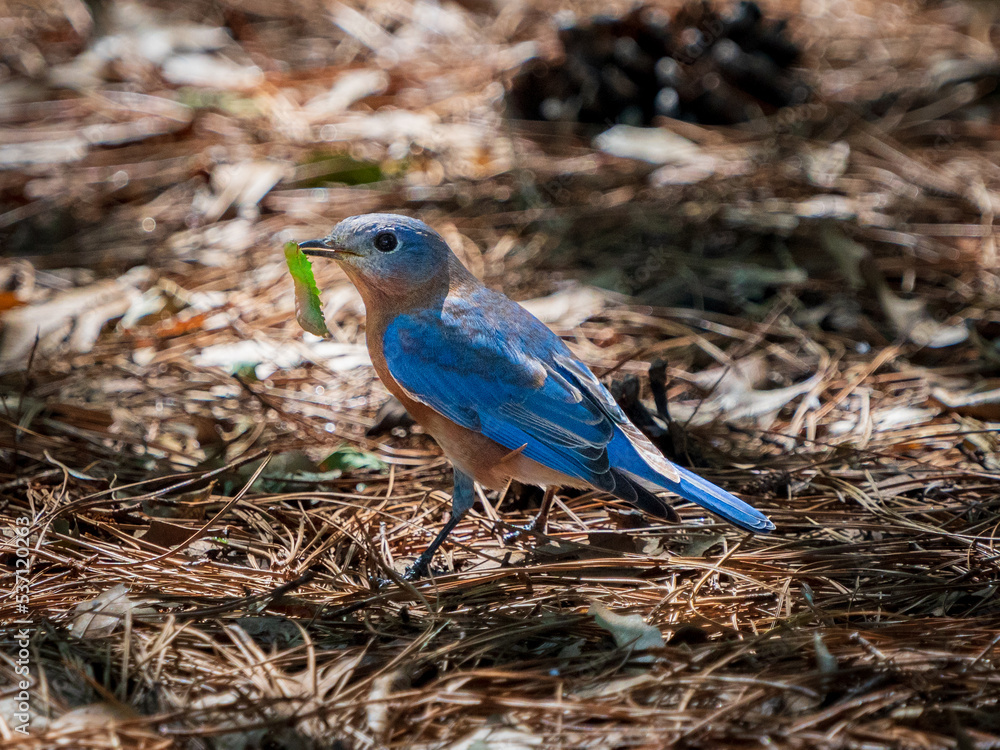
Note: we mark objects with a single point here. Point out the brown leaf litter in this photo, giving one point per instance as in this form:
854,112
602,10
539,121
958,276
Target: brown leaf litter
821,284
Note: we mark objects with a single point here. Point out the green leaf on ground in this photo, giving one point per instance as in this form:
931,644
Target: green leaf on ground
347,458
308,308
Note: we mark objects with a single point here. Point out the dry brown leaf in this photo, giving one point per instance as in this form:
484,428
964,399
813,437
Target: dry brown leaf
498,738
847,253
167,535
76,315
629,631
653,145
377,708
267,357
242,185
210,71
103,615
982,401
93,716
733,396
346,90
136,35
569,307
910,318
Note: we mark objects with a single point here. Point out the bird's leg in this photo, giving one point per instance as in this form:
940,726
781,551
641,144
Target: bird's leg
658,385
676,447
463,495
538,523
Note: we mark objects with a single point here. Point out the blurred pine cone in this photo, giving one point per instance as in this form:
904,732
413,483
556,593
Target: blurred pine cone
698,66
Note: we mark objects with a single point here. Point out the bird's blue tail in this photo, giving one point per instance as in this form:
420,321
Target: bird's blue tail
629,458
713,498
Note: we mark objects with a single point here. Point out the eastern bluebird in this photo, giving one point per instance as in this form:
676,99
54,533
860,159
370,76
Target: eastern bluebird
503,395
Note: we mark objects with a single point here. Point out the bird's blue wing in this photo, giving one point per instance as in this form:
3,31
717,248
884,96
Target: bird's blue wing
505,380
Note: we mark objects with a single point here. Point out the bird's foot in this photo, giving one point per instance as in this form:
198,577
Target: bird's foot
518,531
414,572
539,523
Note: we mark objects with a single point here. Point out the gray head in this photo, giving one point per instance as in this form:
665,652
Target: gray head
385,252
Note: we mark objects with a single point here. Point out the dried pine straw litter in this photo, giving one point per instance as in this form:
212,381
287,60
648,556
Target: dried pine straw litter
207,515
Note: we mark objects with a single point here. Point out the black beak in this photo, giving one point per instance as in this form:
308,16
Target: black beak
320,249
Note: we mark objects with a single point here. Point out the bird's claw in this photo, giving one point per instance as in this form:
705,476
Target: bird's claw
518,531
414,572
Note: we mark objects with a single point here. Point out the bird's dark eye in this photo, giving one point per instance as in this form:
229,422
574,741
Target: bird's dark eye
385,242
